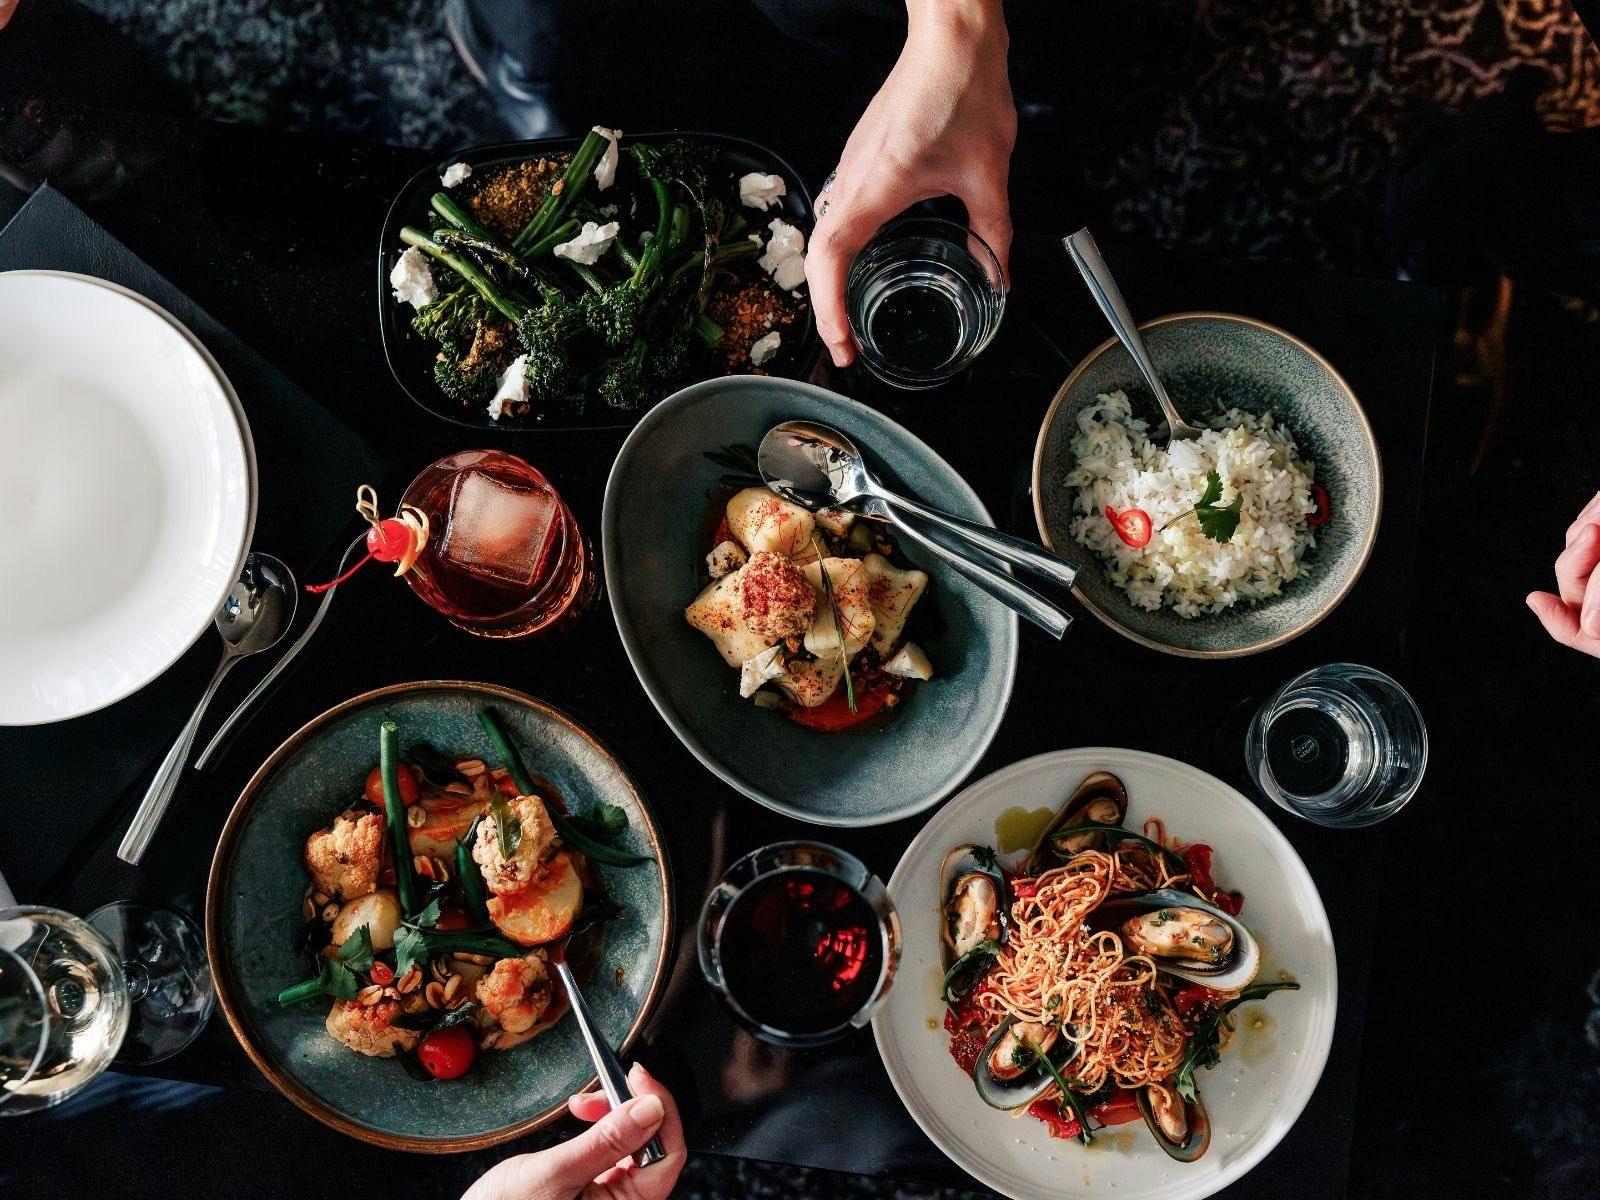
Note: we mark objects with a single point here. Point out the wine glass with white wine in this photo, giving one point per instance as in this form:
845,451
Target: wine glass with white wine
130,984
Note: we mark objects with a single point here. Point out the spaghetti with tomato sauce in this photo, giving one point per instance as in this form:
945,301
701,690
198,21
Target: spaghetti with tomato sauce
1132,1023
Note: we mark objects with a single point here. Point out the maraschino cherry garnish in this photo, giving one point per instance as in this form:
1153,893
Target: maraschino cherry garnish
398,539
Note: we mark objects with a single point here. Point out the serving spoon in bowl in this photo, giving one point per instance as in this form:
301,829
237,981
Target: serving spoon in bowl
1086,256
817,467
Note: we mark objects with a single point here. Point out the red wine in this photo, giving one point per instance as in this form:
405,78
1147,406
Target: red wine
801,951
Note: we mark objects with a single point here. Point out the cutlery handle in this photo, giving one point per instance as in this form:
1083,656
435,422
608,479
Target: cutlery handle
613,1079
159,795
1004,546
229,729
1086,256
1022,600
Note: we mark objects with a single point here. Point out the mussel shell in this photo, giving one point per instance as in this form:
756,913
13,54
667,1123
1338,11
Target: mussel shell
958,863
1233,972
1098,785
1199,1122
1026,1087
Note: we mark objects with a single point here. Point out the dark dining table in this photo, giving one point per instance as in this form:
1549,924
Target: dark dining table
274,236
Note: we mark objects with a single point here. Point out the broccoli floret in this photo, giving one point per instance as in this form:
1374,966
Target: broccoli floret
468,385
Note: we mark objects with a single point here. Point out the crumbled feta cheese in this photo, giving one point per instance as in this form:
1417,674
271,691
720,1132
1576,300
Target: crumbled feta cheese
758,670
609,210
605,171
513,388
836,521
725,558
756,238
762,351
785,258
454,174
761,191
411,279
910,662
589,243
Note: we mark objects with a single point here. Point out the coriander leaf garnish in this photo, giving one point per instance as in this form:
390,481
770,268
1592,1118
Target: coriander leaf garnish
356,953
1217,521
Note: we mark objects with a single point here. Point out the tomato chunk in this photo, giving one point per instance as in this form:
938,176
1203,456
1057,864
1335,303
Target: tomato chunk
447,1053
409,791
834,714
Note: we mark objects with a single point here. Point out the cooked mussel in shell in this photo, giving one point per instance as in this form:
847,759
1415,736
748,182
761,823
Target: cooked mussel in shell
1099,800
1185,937
1009,1072
975,920
1180,1127
1183,933
972,912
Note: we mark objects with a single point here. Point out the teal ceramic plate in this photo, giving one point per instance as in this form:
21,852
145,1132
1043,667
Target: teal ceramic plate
253,920
1253,366
657,500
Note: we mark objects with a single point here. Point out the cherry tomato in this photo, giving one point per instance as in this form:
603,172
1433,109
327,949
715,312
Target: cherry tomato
1198,856
1132,525
506,786
834,714
1324,505
409,791
388,540
1021,889
447,1053
382,973
453,918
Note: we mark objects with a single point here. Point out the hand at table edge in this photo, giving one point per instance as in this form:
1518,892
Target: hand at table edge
1571,614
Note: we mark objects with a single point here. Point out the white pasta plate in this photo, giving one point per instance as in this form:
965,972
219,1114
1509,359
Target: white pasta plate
1267,1074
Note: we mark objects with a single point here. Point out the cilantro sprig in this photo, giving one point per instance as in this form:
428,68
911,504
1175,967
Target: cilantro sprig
1218,521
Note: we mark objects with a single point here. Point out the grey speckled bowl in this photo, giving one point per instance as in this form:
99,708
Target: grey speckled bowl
657,500
1209,361
253,922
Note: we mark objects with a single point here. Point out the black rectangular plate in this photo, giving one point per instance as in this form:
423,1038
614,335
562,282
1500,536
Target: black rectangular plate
411,356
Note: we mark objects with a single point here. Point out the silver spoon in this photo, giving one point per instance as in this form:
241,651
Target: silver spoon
613,1079
229,729
1086,255
257,613
815,466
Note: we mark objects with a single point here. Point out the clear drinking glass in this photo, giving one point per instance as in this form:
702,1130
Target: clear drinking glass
63,1008
1341,745
799,941
505,557
128,984
924,298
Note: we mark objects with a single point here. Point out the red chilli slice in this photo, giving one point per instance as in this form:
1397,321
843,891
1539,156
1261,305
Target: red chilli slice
1324,505
1132,525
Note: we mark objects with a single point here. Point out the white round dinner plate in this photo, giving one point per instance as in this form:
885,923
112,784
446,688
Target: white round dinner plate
1266,1075
127,493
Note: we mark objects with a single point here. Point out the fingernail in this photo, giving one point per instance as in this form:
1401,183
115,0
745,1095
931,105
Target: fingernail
647,1110
1529,601
1591,622
637,1072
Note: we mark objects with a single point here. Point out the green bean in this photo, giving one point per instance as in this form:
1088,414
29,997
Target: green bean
570,834
394,811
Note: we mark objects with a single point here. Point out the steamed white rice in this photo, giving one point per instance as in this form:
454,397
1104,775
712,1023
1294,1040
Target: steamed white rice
1118,465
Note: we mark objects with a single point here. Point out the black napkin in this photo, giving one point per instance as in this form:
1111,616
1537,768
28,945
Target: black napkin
86,771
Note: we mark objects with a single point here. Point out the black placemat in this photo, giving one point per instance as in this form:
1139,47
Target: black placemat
305,459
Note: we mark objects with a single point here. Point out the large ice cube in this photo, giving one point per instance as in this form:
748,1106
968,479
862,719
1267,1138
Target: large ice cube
497,530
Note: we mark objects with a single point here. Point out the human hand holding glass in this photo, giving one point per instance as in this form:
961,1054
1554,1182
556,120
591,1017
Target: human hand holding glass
598,1163
1571,615
942,124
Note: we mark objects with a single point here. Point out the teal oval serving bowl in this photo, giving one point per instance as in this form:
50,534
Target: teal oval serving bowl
656,508
1210,361
254,918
